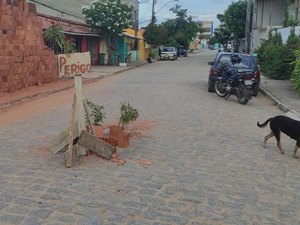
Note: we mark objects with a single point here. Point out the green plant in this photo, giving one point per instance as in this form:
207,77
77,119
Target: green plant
271,60
97,112
128,114
293,43
295,78
271,53
153,53
54,36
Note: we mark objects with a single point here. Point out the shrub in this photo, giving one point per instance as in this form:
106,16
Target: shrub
292,44
271,60
295,79
276,60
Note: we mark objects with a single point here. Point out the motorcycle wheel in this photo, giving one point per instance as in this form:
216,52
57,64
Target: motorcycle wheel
243,94
220,88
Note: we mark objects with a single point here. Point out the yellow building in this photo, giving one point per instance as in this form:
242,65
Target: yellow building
135,44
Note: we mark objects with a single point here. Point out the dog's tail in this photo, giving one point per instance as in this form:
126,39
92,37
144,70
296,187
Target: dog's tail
264,124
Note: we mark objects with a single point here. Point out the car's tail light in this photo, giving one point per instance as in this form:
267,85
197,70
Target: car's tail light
257,74
213,72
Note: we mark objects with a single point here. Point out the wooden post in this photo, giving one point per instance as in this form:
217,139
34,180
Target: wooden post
79,109
69,152
88,116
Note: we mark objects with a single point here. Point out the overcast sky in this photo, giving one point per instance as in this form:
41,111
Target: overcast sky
200,9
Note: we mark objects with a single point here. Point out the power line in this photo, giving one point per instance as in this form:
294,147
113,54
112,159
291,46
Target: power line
56,9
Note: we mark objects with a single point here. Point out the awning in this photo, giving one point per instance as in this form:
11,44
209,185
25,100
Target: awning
131,36
82,34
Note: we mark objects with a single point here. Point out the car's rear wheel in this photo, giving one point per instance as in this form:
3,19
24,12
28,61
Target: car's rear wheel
211,87
255,91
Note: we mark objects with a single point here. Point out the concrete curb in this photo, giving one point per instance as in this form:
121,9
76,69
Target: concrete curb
281,105
10,103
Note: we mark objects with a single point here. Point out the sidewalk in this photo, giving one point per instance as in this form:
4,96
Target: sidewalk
98,72
282,93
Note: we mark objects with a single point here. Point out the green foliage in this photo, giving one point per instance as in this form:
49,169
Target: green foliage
153,53
97,112
270,56
156,35
54,35
222,35
128,114
212,40
275,58
295,78
109,17
289,21
235,18
181,30
293,43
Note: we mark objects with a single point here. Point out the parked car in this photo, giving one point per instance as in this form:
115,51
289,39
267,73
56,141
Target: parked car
248,66
211,47
181,51
168,53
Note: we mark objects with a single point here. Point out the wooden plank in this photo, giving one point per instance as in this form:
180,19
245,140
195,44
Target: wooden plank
69,152
88,116
79,109
96,145
61,141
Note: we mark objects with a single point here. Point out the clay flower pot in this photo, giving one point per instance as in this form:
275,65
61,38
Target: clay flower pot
123,140
115,131
98,131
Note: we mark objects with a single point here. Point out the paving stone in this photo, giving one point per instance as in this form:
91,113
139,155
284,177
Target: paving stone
10,218
32,221
90,221
41,213
208,168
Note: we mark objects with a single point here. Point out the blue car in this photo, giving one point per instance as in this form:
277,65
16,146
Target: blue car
248,66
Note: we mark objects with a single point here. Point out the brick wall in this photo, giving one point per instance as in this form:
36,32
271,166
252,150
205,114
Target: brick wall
24,59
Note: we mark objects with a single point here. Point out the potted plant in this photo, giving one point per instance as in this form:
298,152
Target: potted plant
97,115
128,114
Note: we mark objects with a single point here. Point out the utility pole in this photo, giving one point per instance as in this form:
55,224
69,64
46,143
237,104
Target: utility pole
248,27
153,13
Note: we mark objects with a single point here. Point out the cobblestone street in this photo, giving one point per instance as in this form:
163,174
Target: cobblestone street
209,166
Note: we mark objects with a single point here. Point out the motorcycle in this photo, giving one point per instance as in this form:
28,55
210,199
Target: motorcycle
225,86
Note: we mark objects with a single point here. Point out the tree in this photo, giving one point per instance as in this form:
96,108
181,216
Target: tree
235,20
155,35
110,18
182,30
222,35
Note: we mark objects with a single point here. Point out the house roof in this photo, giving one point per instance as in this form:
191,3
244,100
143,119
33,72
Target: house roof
66,9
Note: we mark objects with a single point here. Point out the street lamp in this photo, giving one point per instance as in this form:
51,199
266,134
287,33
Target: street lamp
153,13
